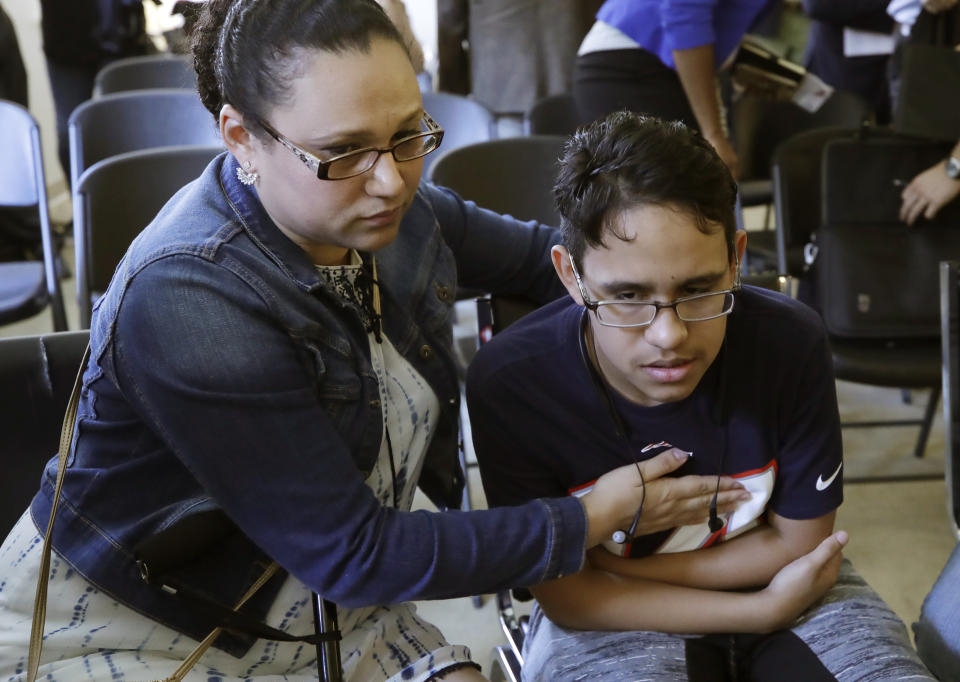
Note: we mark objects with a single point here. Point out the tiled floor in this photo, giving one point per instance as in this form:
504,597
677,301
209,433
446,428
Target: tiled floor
900,532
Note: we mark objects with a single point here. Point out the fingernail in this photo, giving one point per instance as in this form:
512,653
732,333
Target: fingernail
681,455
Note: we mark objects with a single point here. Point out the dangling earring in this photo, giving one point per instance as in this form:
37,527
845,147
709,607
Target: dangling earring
245,176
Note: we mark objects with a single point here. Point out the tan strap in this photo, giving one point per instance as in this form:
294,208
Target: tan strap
192,659
40,600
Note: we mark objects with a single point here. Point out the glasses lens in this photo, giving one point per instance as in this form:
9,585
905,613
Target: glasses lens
705,307
625,314
352,164
416,146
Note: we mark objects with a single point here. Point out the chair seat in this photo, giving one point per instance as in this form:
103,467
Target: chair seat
23,290
904,364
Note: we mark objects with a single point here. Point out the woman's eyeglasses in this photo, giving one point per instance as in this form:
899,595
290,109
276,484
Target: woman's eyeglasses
360,161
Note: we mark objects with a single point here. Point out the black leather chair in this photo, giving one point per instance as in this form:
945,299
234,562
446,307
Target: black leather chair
27,287
115,199
37,375
512,175
140,119
144,73
891,363
758,127
795,174
552,115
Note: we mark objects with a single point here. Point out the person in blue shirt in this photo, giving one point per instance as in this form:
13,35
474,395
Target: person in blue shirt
274,351
658,345
661,58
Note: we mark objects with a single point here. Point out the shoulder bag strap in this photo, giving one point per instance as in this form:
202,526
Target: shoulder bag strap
40,601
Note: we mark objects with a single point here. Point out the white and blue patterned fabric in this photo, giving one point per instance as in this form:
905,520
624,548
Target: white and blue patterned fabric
90,636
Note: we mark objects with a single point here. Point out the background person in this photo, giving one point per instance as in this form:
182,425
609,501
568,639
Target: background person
80,37
661,59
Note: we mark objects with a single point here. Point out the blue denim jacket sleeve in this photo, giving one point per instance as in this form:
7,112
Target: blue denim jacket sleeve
250,427
494,252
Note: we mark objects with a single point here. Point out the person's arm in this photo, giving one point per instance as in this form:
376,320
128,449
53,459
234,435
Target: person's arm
597,600
929,191
494,253
696,69
209,363
750,560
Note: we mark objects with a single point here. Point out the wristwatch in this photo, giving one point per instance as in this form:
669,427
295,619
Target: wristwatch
953,168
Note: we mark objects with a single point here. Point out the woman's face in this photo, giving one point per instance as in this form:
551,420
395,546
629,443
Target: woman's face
338,103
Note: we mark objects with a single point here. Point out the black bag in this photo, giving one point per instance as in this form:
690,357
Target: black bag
877,277
928,100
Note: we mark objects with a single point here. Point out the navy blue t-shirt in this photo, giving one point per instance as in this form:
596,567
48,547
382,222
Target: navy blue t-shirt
542,429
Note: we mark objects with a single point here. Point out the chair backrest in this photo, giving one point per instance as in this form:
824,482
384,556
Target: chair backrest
759,125
464,121
23,183
877,276
115,199
950,337
553,115
145,72
128,121
37,374
797,193
513,175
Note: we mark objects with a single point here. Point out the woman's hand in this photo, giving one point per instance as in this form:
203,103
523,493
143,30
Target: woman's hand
803,581
613,501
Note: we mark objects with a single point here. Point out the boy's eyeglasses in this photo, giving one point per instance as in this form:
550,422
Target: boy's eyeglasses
360,161
696,308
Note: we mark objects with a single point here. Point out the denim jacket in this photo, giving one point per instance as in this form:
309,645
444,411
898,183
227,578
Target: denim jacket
225,375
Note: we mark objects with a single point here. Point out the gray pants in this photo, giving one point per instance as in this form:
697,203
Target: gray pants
851,630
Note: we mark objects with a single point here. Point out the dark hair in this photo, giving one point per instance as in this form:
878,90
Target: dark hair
246,52
627,160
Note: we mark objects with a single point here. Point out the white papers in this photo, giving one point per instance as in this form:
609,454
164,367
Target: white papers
857,43
811,93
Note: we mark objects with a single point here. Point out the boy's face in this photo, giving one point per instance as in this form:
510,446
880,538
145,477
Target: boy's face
665,257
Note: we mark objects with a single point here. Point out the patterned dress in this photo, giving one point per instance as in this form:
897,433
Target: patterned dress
90,636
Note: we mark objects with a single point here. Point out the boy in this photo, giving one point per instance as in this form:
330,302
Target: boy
659,344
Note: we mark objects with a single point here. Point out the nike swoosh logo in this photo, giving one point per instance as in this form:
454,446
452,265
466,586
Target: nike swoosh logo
823,485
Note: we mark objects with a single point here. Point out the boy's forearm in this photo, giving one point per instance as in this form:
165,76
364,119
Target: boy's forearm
597,600
750,560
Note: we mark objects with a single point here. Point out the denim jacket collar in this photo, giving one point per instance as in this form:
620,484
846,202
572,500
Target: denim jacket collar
257,223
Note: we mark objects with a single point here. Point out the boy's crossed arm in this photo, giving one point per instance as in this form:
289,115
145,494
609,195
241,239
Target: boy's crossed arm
749,560
688,593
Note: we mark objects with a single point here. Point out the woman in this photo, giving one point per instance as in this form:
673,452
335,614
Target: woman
661,59
277,345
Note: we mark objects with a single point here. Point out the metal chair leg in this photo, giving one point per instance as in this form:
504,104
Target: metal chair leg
929,413
328,653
